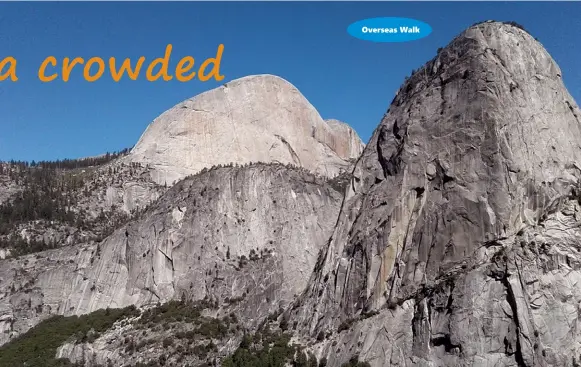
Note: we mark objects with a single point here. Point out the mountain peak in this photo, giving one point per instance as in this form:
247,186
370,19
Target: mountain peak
260,78
474,163
258,118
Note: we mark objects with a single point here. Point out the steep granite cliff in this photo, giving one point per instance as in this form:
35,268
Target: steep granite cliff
458,240
245,238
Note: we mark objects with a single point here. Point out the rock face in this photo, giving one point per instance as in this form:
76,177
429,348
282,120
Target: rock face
458,241
260,118
244,237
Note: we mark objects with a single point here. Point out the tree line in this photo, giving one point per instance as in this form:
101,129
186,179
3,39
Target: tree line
66,163
48,191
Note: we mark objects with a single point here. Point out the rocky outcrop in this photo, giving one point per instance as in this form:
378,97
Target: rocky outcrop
458,241
98,200
342,139
173,334
246,238
7,188
32,287
261,118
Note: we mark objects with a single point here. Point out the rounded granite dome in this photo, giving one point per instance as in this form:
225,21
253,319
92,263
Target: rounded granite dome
261,118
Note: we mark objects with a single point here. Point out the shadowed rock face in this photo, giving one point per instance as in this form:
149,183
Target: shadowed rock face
460,222
244,237
261,118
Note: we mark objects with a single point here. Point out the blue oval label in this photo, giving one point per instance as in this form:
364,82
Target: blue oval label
389,29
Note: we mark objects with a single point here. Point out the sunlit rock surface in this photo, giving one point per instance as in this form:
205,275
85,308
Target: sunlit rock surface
260,118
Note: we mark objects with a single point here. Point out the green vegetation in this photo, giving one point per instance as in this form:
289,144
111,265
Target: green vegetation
187,312
73,163
22,246
354,362
49,191
515,24
45,195
190,333
173,311
341,181
37,347
268,349
265,348
345,325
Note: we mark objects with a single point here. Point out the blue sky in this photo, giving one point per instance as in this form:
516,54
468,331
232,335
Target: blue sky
305,43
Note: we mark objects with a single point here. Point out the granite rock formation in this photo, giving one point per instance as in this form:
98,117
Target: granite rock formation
246,238
458,241
260,118
253,259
